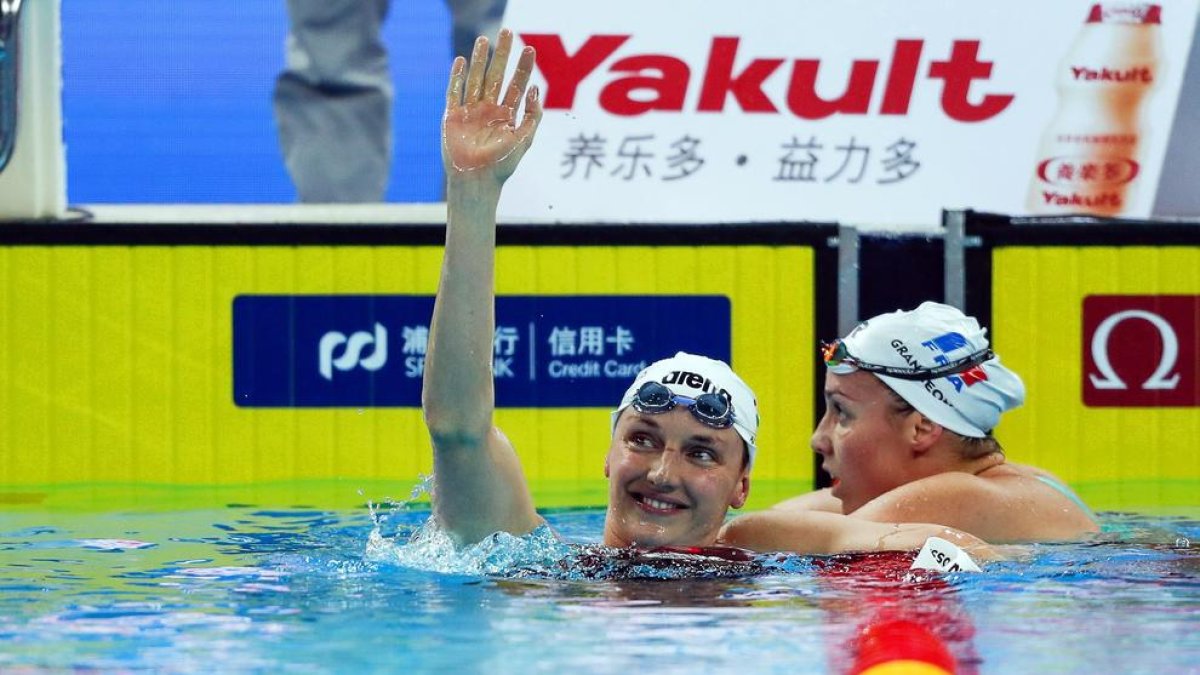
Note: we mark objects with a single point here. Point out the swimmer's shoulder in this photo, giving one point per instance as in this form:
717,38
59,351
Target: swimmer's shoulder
1045,482
1010,470
817,500
1001,504
1031,478
1066,514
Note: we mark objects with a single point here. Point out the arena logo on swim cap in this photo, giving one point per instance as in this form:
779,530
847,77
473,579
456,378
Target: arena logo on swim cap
693,380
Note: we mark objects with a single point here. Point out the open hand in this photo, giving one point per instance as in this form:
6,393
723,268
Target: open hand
480,134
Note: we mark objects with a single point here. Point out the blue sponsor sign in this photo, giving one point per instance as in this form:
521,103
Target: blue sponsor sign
548,351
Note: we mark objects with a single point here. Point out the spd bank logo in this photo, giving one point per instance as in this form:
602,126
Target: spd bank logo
351,356
326,351
353,351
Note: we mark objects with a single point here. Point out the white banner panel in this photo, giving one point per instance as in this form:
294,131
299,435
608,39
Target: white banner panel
863,111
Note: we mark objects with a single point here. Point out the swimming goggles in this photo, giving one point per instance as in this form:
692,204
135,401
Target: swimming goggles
836,354
714,410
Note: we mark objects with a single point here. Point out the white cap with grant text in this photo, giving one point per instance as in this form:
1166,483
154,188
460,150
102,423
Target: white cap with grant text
969,403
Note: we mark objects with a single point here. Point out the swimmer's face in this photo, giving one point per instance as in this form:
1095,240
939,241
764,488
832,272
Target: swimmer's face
671,480
861,439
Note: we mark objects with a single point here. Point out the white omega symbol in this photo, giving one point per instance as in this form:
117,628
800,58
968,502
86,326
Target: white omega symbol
1159,379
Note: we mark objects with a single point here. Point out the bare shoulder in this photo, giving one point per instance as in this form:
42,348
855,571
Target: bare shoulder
1010,470
818,500
1038,482
1005,504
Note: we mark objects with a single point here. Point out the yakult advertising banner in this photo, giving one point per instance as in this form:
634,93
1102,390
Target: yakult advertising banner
863,111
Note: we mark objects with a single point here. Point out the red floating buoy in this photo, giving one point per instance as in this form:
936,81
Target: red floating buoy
901,647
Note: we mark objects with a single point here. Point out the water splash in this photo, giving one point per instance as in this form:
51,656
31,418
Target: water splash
542,555
424,486
385,512
432,549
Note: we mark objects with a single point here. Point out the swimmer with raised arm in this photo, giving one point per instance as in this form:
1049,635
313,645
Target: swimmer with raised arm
911,400
683,435
675,464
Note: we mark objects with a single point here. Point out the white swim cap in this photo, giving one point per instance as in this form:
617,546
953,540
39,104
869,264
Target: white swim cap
970,402
691,375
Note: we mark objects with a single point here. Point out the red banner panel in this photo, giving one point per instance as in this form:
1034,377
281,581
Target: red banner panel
1141,351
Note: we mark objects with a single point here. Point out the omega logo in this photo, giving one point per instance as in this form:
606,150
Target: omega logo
1161,378
1140,351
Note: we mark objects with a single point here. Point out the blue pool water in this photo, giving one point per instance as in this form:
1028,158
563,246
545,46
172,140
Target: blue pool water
248,589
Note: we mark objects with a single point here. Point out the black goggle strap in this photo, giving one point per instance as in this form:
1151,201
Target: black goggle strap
951,368
835,354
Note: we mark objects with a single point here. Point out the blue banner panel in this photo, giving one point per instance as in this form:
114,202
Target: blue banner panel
316,351
171,102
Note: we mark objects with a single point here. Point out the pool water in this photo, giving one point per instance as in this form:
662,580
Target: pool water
249,589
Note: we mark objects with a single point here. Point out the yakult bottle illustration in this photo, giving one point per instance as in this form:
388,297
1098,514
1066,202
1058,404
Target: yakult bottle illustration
1088,161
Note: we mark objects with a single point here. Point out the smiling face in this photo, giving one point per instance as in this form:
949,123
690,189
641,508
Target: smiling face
671,479
864,439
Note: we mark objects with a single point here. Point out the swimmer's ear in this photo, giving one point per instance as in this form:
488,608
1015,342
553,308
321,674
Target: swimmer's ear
606,470
924,433
742,492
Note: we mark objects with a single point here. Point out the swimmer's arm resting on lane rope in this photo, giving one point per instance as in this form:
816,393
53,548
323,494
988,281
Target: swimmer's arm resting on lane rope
479,486
823,533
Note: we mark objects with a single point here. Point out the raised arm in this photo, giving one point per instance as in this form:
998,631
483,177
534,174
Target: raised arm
479,487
